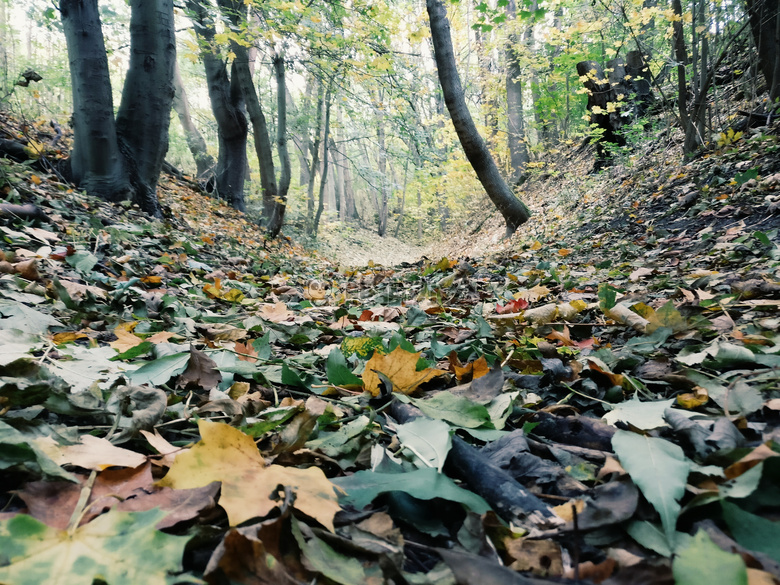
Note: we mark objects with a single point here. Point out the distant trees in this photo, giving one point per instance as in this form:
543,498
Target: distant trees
370,133
120,158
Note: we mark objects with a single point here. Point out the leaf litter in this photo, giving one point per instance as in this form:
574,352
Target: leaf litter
596,400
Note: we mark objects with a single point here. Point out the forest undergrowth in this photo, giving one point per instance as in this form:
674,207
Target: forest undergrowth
595,399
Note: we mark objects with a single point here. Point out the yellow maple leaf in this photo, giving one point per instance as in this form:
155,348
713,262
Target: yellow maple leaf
124,340
277,312
400,366
249,487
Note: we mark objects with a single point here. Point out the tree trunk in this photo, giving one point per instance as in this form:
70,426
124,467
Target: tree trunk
765,23
280,205
324,177
226,106
518,150
381,204
204,162
120,159
512,209
315,161
145,111
96,163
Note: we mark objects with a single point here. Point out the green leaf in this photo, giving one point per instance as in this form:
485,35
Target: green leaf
21,317
83,261
119,548
702,561
428,439
458,410
18,450
659,468
161,370
424,484
753,532
338,371
607,296
643,415
326,560
743,178
652,536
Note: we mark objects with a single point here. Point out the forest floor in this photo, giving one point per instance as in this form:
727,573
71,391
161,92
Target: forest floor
593,400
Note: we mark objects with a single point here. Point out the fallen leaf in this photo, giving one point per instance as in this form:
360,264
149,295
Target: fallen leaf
400,367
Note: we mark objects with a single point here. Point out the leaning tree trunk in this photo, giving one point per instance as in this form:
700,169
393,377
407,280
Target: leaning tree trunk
145,111
765,24
96,163
226,106
511,208
204,162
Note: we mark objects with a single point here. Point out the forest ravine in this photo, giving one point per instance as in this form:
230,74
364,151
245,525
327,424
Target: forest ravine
613,368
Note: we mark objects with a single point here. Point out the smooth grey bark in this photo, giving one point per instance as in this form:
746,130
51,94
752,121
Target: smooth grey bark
96,163
514,211
225,97
518,150
120,158
315,162
765,24
147,96
381,201
324,177
236,12
204,162
280,205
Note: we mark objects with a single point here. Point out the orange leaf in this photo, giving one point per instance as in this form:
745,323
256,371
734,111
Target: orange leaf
400,366
245,352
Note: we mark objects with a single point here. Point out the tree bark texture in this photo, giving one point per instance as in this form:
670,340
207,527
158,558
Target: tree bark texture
324,177
204,162
315,162
225,98
96,164
276,220
145,111
765,24
514,211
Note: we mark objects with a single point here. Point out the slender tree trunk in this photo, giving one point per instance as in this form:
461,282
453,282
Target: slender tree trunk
96,163
403,201
324,177
315,161
280,205
145,111
226,105
512,209
204,162
381,207
518,150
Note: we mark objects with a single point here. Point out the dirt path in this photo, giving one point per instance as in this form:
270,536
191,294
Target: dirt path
356,247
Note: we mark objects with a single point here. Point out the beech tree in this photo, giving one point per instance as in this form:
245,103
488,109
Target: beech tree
514,211
227,106
120,158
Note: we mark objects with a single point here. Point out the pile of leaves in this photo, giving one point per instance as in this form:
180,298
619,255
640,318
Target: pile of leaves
184,401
